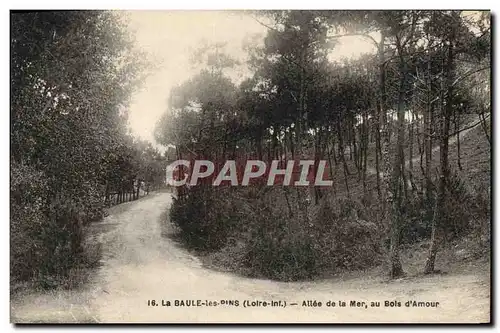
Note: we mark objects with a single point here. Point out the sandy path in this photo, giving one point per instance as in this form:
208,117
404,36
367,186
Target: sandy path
140,264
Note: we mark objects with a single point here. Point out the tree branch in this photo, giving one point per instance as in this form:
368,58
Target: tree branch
469,127
469,74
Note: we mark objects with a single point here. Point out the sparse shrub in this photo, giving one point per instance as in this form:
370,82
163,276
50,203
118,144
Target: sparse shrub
480,213
462,206
347,238
289,248
280,247
269,241
458,204
417,214
205,218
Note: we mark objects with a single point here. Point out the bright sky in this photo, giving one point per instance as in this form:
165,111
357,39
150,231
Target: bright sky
170,37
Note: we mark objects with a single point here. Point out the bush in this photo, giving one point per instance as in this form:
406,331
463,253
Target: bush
205,218
28,253
463,206
280,247
47,231
337,237
458,205
348,239
269,242
417,218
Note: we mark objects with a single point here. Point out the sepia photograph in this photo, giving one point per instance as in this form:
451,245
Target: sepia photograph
250,166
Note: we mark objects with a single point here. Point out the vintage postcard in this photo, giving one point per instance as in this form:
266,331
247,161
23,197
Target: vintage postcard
250,166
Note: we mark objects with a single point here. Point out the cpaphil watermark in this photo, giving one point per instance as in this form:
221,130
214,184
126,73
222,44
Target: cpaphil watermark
234,173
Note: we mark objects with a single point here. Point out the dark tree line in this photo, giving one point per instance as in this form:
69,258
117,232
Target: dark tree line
72,75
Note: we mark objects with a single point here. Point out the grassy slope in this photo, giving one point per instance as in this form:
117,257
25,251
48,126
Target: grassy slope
475,152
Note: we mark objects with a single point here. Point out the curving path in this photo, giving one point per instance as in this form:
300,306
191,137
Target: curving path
140,264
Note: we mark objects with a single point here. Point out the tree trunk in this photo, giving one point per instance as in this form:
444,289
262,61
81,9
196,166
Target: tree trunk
355,146
378,149
484,125
364,157
440,213
457,127
106,196
398,182
342,157
411,126
428,119
317,156
332,152
330,165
